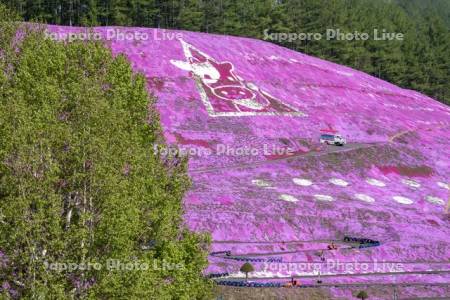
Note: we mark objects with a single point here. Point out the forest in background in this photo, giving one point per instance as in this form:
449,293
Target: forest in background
420,62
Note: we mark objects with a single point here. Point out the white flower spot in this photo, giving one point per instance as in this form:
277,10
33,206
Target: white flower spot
339,182
411,183
288,198
323,197
364,197
435,200
302,182
260,183
443,185
402,200
375,182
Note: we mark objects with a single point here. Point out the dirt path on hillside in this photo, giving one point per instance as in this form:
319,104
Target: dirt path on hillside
401,133
231,256
330,149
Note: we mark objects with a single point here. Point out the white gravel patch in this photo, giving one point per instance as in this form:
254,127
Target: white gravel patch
364,197
302,181
435,200
411,183
323,197
286,197
339,182
375,182
402,200
444,185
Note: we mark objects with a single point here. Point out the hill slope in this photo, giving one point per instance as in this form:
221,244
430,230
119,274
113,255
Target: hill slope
251,113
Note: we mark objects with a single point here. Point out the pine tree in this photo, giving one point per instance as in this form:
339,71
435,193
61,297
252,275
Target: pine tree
143,12
190,16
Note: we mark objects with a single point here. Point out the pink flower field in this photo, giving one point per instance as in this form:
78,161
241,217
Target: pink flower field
250,114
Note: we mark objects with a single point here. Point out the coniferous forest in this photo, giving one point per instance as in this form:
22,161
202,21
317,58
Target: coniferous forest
421,61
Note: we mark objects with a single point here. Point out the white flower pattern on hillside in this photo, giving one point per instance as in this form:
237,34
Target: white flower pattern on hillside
444,185
261,183
323,197
339,182
359,196
402,200
375,182
302,182
288,198
435,200
411,183
365,198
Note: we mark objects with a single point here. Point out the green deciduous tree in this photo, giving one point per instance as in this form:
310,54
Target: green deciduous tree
362,295
247,268
79,183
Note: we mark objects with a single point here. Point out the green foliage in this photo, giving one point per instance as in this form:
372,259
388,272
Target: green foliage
422,8
191,16
79,182
247,268
362,295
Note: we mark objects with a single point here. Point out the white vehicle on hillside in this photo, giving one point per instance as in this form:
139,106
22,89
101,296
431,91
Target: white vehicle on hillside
332,139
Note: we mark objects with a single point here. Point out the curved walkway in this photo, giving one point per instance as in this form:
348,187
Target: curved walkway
340,275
